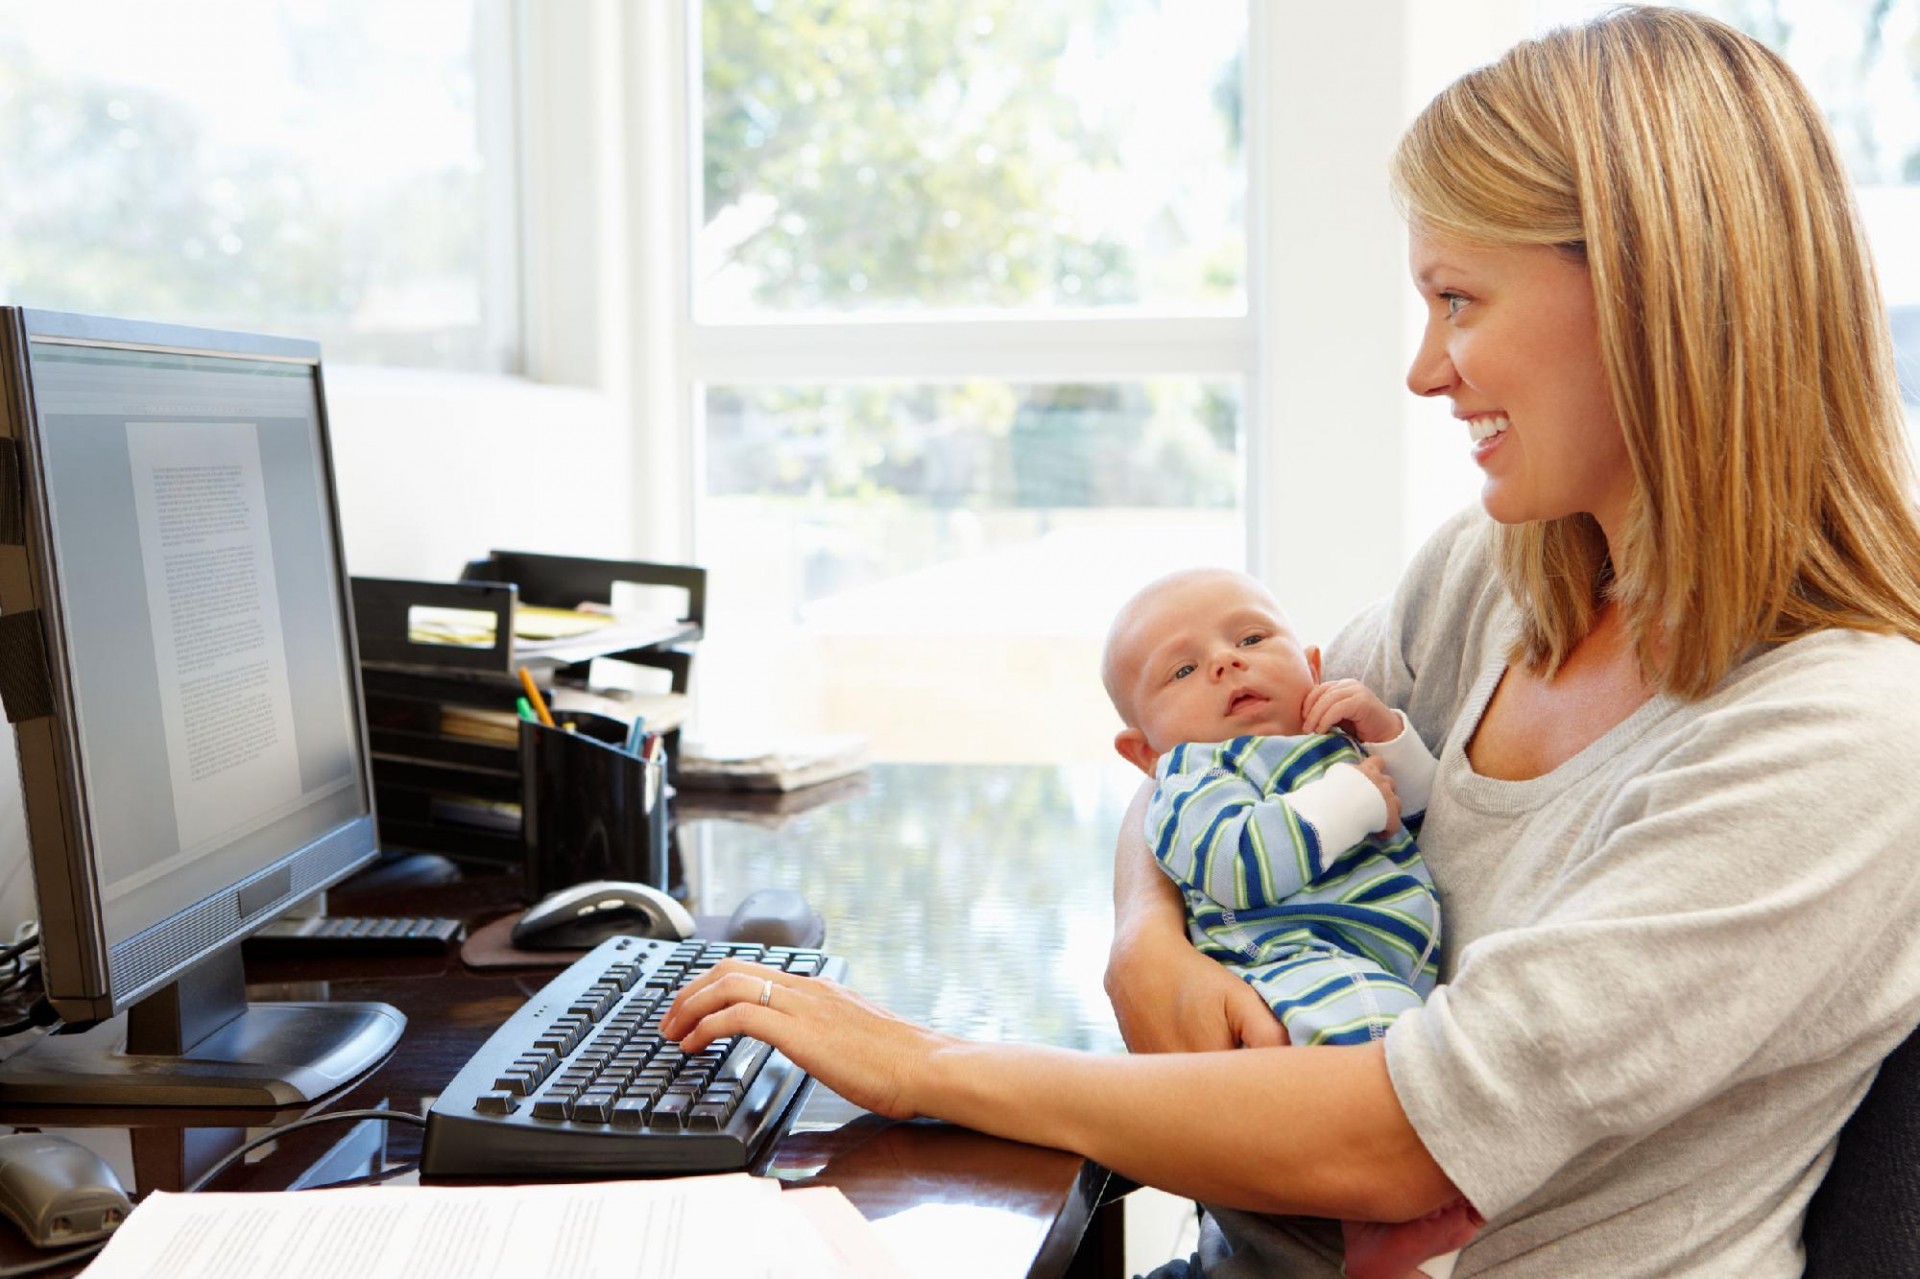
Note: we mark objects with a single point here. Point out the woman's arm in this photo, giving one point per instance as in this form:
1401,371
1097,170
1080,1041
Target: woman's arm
1293,1130
1166,995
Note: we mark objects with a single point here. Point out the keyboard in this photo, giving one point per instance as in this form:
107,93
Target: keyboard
579,1083
348,935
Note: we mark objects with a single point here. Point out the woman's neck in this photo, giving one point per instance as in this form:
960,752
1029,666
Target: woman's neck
1535,723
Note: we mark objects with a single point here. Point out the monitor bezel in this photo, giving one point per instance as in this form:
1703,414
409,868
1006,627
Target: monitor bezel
81,963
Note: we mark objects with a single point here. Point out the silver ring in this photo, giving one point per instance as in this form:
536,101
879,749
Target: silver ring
766,993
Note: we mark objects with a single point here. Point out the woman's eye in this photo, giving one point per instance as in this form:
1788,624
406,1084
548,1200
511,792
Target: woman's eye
1454,303
1185,671
1250,640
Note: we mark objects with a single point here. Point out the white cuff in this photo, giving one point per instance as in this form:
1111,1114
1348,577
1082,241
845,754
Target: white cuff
1342,805
1410,764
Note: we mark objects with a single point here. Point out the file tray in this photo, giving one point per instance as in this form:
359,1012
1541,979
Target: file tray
440,715
389,613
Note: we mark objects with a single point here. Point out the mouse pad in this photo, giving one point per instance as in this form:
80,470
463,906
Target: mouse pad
491,944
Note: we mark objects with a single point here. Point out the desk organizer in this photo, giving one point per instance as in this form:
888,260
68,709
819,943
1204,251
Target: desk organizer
590,808
440,716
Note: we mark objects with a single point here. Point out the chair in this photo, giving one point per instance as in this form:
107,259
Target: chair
1864,1221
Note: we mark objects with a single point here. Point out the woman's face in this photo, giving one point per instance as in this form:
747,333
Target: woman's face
1513,340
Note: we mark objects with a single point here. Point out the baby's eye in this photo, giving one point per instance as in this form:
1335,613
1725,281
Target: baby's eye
1454,303
1250,640
1185,671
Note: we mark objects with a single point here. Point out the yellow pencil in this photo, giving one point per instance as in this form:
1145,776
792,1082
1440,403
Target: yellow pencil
533,696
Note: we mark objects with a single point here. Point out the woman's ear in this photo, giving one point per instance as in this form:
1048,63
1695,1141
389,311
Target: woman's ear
1132,745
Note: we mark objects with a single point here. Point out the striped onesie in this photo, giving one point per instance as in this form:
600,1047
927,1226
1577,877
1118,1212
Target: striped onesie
1268,838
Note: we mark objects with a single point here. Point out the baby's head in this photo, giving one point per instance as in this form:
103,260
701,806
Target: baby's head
1203,656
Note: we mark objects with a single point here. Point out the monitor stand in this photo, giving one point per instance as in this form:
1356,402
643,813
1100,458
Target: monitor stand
198,1042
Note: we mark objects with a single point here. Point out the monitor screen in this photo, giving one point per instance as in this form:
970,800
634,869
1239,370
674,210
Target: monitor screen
205,640
192,749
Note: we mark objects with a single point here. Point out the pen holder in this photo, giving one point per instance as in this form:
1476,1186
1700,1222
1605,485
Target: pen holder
589,809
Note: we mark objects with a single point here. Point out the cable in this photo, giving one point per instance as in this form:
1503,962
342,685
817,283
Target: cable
311,1121
39,1013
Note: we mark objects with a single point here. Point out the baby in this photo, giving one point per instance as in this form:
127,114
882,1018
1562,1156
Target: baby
1283,834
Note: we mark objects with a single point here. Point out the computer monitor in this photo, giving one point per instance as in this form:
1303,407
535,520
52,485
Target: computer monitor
177,661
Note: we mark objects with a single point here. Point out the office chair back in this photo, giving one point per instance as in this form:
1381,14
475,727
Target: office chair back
1864,1221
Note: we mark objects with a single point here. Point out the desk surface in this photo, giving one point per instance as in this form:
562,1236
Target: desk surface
974,898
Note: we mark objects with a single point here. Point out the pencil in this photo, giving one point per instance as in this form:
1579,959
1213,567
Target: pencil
533,696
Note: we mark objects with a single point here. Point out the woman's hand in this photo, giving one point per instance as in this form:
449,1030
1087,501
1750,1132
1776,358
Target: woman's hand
1170,998
850,1044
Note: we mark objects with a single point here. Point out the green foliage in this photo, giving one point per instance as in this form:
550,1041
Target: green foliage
902,152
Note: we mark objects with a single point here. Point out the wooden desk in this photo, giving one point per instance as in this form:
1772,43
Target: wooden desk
974,898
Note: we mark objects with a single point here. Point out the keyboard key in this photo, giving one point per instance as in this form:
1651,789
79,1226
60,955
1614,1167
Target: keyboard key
495,1103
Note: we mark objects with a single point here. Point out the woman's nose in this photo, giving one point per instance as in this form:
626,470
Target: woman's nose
1431,372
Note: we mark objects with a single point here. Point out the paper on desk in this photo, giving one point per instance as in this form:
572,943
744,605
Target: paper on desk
725,1226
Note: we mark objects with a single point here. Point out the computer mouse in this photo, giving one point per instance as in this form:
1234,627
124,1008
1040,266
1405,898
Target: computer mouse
776,917
582,916
57,1191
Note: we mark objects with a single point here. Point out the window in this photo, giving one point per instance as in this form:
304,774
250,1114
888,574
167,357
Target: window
970,347
298,167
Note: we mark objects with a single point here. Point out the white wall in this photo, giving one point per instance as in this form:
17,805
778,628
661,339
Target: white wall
437,469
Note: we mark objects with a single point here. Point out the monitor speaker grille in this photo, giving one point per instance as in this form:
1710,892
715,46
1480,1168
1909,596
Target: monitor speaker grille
150,959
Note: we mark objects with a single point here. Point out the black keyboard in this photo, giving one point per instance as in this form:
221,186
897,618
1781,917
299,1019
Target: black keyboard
345,935
579,1083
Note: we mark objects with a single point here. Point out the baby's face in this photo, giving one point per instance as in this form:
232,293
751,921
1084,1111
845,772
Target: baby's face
1207,658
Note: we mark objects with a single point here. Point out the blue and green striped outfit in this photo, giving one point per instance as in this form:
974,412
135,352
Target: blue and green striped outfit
1338,940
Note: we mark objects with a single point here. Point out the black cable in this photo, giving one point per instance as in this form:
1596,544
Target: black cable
311,1121
39,1013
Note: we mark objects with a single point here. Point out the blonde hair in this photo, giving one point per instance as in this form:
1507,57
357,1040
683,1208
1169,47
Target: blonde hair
1745,343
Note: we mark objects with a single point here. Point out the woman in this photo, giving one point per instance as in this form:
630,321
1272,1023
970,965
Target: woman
1673,671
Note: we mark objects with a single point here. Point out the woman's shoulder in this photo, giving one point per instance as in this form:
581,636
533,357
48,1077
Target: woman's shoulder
1858,675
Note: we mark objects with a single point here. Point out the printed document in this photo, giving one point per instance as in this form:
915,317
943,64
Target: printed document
214,608
721,1227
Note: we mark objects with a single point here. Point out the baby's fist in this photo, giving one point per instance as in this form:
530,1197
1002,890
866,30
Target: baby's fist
1350,705
1376,772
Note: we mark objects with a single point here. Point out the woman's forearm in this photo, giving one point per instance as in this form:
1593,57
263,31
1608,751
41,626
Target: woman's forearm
1315,1131
1145,902
1167,996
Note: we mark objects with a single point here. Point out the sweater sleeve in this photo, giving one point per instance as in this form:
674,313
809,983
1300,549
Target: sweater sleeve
1215,833
1744,908
1410,764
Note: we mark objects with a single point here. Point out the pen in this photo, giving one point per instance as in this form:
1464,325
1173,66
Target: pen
534,699
637,735
526,710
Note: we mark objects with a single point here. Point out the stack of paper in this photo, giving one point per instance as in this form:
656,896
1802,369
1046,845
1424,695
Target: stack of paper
732,1225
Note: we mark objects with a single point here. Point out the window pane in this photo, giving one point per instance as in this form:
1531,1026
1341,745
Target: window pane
296,167
885,154
935,566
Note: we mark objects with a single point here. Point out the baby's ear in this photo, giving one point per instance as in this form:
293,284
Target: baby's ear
1313,662
1132,745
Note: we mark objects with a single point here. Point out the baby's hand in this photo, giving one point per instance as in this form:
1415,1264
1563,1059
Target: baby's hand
1350,705
1375,769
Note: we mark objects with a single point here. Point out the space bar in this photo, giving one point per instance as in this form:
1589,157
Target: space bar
744,1062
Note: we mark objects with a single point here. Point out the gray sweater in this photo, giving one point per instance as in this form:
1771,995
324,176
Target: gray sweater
1671,965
